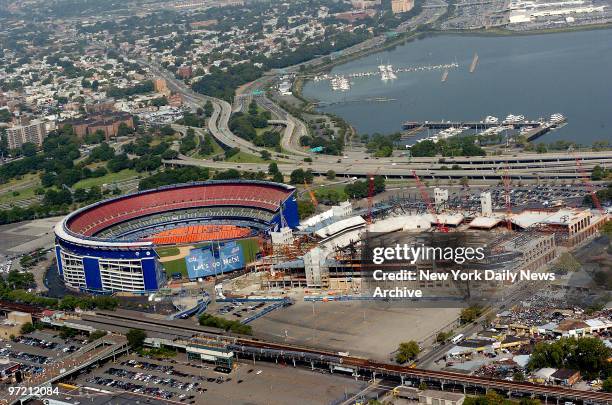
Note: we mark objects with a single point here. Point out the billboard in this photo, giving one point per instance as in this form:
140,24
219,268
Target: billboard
214,259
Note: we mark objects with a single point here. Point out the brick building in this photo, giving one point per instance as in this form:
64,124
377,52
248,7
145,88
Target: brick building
107,123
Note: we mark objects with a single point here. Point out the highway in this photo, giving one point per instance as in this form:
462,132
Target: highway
520,167
218,123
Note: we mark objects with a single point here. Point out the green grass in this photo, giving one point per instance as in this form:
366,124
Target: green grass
167,251
24,194
243,157
107,179
216,150
175,266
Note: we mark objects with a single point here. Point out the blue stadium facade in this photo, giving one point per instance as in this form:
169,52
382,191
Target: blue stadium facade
104,247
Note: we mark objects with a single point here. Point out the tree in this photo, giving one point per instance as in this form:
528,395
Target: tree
265,155
305,208
598,173
208,108
169,154
299,176
272,168
95,335
27,328
331,175
253,108
442,337
20,281
166,130
228,174
529,401
566,264
124,130
136,338
589,355
407,351
541,148
278,177
607,385
470,314
28,149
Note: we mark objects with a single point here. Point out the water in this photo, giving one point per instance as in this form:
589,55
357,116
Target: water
536,75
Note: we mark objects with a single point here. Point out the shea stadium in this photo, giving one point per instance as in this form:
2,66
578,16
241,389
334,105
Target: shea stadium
134,243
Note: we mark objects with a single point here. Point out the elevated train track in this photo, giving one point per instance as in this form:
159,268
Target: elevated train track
249,347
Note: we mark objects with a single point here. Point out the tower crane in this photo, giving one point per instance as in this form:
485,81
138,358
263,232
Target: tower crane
441,227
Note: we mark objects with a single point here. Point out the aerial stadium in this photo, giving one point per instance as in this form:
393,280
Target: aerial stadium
135,243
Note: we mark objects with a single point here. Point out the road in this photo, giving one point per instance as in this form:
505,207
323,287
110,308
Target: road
218,123
518,293
519,167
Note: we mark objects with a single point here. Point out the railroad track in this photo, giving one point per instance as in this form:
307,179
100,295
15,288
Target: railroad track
362,364
383,368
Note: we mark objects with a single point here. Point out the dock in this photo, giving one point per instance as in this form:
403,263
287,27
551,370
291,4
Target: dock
468,124
474,63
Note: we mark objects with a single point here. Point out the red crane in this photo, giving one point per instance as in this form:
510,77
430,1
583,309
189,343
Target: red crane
589,186
370,196
506,179
441,227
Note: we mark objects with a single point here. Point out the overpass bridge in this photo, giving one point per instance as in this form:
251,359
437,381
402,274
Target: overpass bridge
106,347
519,167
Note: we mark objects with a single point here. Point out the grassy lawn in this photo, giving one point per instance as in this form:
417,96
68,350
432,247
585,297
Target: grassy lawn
175,266
243,157
216,150
24,193
22,186
107,179
167,251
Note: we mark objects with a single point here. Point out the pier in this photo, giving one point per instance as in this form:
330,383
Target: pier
468,124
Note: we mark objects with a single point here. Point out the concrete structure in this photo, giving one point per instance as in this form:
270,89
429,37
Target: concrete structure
34,132
486,204
401,6
440,197
13,323
284,236
431,397
572,225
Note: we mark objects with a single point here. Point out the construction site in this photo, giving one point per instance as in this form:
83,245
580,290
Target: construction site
322,258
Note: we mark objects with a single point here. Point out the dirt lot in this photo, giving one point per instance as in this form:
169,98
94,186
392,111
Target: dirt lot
363,328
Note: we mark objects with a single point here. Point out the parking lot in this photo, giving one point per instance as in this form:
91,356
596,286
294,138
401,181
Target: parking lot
237,311
523,197
190,382
38,348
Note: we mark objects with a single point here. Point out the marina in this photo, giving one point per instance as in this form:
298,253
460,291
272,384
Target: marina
530,75
387,72
516,125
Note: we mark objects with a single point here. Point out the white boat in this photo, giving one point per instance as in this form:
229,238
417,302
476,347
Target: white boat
557,118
